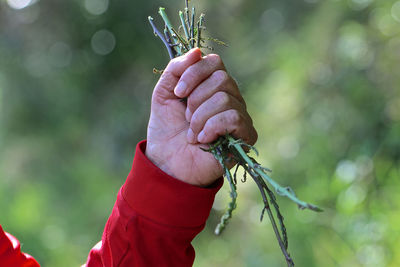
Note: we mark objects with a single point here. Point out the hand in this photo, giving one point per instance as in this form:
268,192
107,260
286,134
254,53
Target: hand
177,130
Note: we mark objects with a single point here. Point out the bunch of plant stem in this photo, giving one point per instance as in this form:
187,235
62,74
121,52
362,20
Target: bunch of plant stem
180,40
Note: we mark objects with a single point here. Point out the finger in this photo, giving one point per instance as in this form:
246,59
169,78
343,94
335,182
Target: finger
218,81
219,102
178,65
173,72
197,73
230,121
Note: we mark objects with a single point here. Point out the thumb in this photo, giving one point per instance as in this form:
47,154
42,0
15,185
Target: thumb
178,65
173,72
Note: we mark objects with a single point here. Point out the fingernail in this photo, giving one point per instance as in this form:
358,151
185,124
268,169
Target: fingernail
190,136
188,115
193,49
180,89
201,137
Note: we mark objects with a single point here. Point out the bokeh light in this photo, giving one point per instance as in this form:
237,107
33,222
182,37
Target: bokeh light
60,54
103,42
96,7
321,82
288,147
272,21
19,4
396,11
360,4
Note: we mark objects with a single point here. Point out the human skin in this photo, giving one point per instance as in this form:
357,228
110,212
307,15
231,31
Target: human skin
177,130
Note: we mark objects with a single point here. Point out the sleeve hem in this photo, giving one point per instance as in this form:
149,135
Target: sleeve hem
163,198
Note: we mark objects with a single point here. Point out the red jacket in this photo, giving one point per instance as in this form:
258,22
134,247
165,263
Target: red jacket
153,222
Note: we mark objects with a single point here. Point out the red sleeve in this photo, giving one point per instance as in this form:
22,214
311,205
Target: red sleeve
10,252
154,219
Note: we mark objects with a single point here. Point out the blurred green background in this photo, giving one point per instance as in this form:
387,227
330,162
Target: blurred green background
322,81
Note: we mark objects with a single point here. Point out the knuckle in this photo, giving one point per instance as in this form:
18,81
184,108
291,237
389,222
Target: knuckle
166,81
210,124
222,98
173,63
195,123
167,73
214,59
235,117
189,74
220,76
192,103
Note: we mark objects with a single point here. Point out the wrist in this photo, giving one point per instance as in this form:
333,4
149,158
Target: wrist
167,162
158,162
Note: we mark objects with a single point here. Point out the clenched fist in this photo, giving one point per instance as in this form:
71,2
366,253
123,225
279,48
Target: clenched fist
178,129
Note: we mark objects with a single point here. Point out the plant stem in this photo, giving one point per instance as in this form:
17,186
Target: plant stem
192,26
181,40
171,52
219,150
227,147
199,26
187,16
184,28
282,191
282,241
232,205
167,22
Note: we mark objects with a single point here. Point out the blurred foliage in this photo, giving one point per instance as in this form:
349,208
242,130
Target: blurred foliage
321,78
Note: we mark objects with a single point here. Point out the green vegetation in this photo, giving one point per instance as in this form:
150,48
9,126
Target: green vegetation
227,148
321,79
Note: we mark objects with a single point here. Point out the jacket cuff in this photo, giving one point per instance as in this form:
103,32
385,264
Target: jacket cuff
164,199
